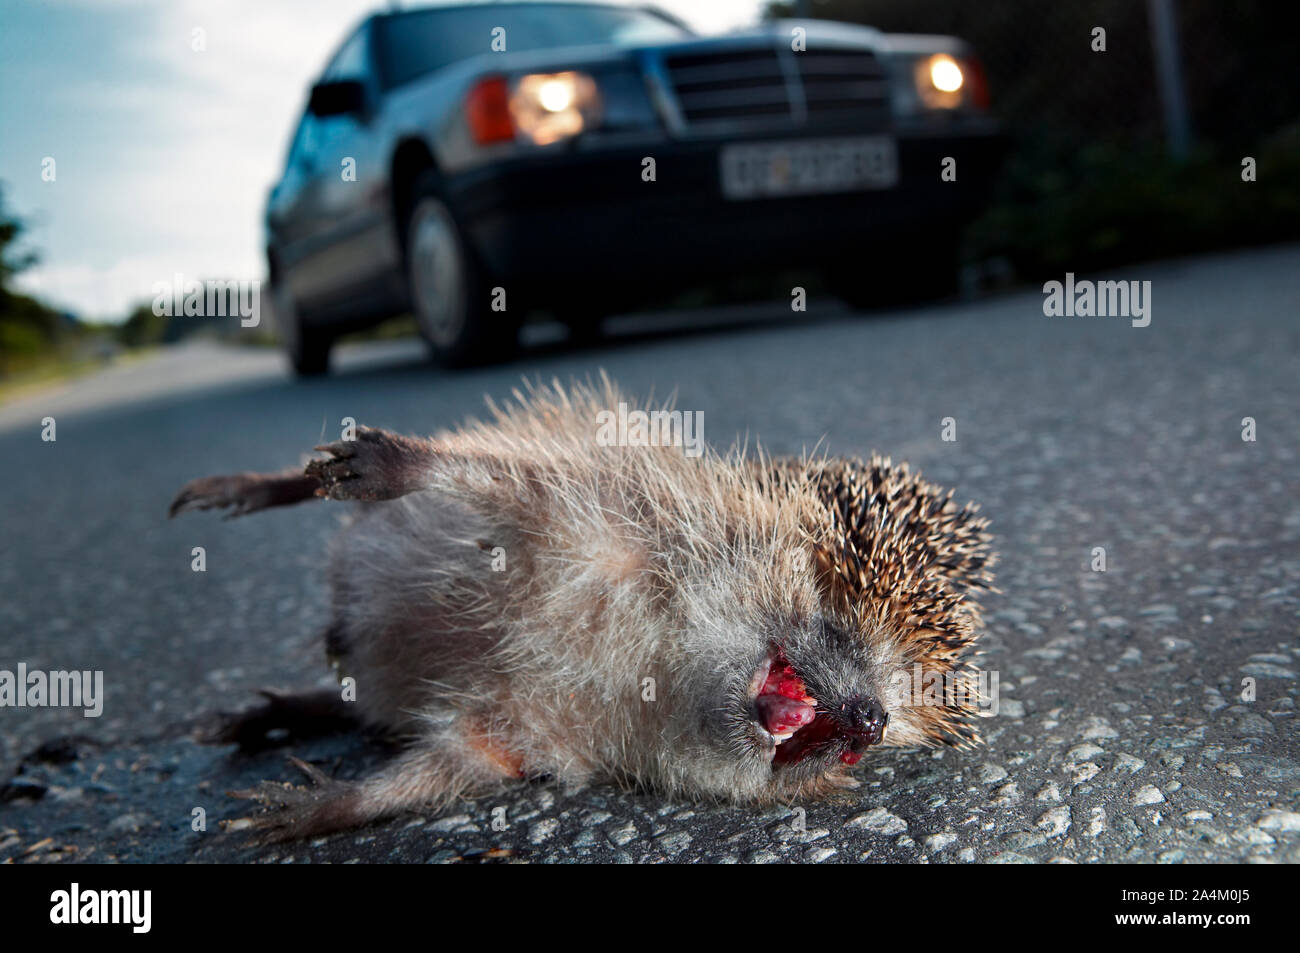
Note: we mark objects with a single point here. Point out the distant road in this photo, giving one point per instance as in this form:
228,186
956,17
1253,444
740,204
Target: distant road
167,372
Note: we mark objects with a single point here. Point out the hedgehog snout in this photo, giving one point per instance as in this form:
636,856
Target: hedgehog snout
863,719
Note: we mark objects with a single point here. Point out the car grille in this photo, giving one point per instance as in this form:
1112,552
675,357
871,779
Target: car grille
843,81
770,87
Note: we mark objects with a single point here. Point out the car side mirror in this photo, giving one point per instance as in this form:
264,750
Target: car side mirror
338,98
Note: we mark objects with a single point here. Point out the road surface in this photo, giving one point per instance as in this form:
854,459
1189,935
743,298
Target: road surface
1125,733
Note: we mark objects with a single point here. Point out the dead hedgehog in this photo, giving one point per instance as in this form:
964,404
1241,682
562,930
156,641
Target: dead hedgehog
517,599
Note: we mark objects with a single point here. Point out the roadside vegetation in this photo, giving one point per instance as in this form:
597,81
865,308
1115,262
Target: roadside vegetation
37,344
40,346
1090,182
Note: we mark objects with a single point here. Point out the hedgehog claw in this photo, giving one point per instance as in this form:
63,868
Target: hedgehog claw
375,465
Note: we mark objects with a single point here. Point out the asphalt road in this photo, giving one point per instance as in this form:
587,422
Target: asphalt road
1123,734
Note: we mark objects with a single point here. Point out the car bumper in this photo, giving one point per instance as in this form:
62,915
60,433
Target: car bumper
556,219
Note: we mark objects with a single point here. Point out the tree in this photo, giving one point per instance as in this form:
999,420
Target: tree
12,260
28,329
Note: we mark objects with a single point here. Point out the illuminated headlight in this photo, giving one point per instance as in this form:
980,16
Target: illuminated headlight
548,107
939,81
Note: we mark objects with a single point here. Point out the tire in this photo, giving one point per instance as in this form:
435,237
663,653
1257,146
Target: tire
910,272
449,292
586,325
307,347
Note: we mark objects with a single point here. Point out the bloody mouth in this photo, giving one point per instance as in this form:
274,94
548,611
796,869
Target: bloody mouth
799,724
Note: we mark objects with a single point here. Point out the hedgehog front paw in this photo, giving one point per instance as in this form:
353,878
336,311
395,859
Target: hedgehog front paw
377,465
243,492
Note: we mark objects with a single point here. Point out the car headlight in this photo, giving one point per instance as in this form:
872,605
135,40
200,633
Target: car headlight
548,107
940,81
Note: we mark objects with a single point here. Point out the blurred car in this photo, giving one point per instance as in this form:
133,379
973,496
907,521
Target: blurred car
469,162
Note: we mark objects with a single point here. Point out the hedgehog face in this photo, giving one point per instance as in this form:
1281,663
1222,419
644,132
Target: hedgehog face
796,726
784,690
814,702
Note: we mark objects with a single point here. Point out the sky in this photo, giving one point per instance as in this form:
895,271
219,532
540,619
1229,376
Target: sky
163,153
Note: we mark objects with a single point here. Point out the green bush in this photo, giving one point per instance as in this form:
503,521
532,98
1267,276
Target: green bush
1105,205
1087,182
143,328
20,342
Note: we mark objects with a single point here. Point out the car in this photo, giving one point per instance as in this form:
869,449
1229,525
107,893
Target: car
470,162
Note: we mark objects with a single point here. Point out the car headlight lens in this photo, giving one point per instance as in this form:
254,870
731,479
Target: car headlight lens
945,74
939,81
556,94
548,107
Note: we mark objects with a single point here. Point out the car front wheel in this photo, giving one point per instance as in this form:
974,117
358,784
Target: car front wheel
586,324
307,347
449,295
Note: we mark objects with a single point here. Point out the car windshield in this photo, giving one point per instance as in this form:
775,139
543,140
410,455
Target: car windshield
419,41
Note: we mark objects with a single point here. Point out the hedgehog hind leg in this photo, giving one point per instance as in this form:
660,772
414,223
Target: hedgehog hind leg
245,492
293,812
282,718
430,776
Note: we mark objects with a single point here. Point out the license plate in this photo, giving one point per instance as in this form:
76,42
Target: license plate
808,167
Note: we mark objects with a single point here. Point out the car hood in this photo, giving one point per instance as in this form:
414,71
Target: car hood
816,33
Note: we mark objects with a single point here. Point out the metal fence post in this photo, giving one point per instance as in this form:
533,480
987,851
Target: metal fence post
1169,75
